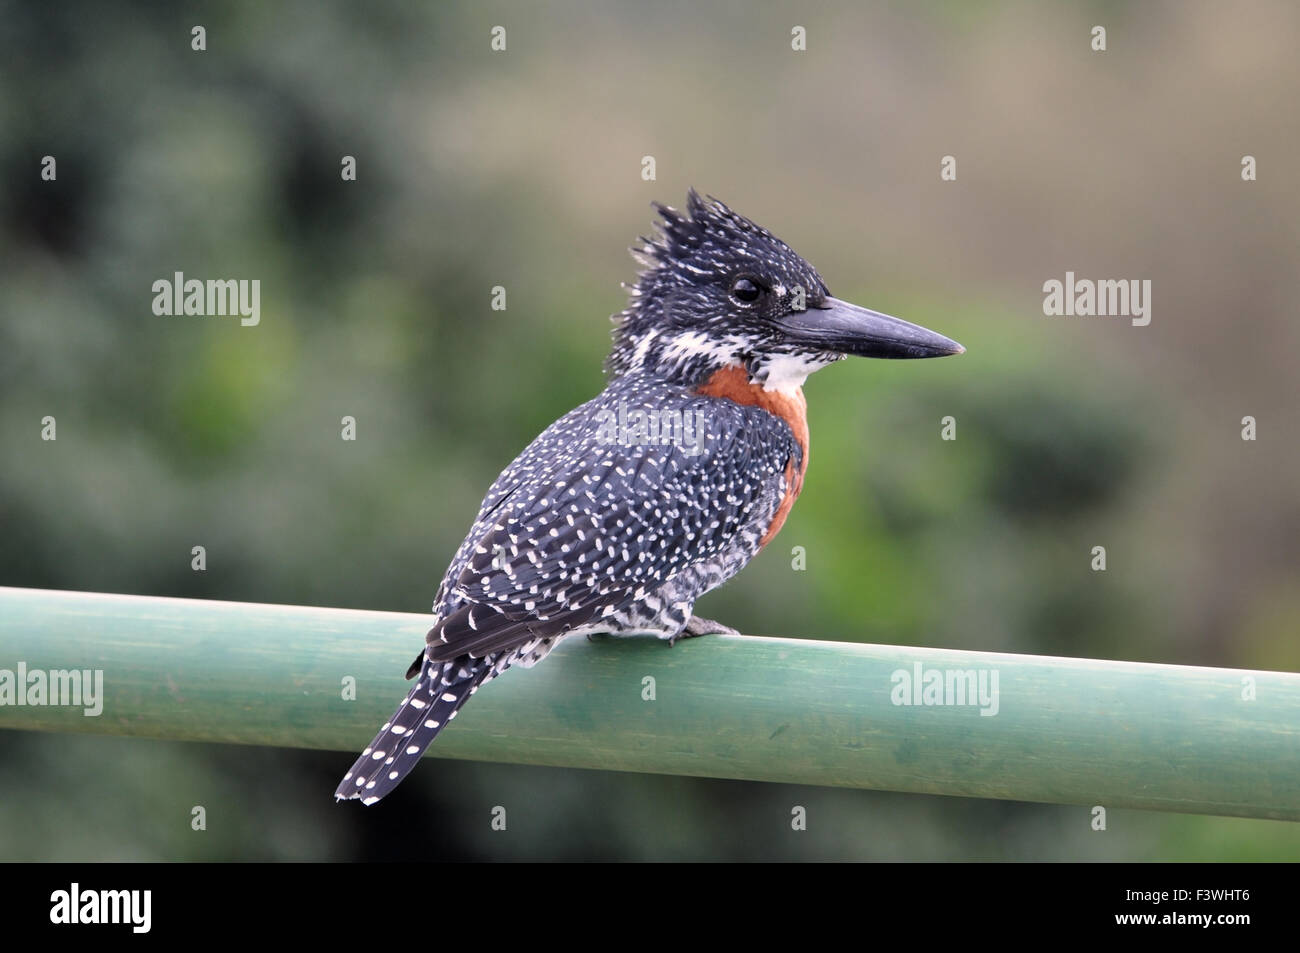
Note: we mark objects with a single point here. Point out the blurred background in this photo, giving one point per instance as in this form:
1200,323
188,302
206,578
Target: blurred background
522,168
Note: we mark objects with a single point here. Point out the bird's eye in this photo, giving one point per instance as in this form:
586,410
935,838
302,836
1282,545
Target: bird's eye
746,290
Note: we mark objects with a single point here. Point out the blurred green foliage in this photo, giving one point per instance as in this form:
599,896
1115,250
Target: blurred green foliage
522,169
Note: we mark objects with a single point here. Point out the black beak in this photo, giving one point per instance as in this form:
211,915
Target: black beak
835,325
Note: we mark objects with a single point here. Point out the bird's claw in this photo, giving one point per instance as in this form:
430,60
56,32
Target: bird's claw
697,626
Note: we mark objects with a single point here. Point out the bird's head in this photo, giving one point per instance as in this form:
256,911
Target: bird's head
719,291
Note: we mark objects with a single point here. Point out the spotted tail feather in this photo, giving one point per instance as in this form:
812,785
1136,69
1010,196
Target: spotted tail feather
434,700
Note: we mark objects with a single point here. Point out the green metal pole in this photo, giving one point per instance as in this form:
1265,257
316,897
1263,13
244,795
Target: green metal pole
1071,731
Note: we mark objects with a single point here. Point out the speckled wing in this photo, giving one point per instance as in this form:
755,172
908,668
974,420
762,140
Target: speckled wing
580,531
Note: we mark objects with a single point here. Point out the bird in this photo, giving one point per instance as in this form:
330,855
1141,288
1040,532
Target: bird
626,510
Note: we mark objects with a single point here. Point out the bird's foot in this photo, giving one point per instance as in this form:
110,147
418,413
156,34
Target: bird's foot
697,626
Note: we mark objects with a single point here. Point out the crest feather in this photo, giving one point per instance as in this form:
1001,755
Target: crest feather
706,219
